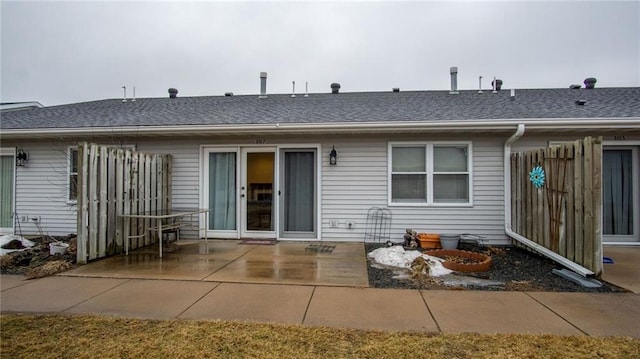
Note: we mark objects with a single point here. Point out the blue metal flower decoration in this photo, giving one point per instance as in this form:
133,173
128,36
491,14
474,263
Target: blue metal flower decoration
536,176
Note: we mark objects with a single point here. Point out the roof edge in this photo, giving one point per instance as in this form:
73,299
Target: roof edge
540,124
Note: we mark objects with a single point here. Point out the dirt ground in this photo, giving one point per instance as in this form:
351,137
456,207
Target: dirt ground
37,261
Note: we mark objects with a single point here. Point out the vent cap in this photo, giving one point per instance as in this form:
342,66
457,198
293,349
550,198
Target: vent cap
590,83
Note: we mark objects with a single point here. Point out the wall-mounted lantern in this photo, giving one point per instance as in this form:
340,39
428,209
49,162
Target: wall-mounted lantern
333,156
21,157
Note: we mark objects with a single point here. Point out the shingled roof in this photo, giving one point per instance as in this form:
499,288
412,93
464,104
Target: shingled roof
362,107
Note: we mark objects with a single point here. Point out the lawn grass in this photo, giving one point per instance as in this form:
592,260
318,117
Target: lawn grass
61,336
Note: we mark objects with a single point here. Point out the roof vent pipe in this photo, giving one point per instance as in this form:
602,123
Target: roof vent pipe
496,84
173,93
134,94
454,80
396,89
263,85
590,83
335,87
293,92
124,99
479,84
306,89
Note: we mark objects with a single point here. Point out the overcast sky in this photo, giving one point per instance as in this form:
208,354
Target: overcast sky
66,52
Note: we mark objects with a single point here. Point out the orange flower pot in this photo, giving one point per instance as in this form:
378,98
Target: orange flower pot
429,240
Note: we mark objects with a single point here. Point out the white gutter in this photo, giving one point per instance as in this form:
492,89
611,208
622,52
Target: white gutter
337,127
507,213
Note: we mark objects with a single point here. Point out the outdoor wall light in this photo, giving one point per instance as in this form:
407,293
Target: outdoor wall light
333,155
21,157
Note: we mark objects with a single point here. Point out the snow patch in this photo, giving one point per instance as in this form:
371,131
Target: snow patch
10,237
397,257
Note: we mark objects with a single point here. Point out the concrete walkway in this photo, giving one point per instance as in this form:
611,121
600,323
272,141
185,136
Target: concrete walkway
346,307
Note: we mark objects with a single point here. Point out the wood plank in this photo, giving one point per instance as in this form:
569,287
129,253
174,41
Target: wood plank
540,204
133,190
102,201
596,266
522,179
140,197
93,202
126,196
83,200
570,206
578,201
588,245
169,179
119,199
147,196
111,202
528,198
153,178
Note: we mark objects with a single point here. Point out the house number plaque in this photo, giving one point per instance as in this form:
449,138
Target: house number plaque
261,142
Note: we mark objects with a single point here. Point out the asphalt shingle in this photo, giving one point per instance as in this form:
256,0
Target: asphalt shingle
333,108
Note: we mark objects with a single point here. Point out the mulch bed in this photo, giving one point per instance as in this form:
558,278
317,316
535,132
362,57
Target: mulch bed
518,268
37,262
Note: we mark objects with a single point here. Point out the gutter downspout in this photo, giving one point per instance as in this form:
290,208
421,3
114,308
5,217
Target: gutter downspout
507,213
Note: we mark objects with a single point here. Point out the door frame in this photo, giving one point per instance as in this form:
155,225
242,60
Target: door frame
243,190
11,151
318,192
635,238
240,164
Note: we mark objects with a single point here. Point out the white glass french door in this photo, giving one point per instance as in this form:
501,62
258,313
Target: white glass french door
257,192
7,176
261,192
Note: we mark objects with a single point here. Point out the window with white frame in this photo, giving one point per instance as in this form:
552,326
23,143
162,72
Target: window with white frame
72,169
72,187
430,173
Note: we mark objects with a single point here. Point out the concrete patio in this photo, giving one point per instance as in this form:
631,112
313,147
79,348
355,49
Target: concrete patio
231,261
287,283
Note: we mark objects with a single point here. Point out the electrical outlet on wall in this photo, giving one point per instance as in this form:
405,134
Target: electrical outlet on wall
350,224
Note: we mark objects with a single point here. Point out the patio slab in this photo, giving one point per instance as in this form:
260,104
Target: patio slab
625,271
150,299
9,281
596,313
252,302
188,260
493,312
301,270
54,294
369,308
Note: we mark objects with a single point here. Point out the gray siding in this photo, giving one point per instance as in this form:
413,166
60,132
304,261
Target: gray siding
357,183
41,191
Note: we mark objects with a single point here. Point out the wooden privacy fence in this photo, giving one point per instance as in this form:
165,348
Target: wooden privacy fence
113,181
565,214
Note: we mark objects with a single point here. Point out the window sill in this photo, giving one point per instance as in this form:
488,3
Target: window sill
431,205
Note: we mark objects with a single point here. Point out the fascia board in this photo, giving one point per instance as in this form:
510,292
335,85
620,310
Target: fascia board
498,125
